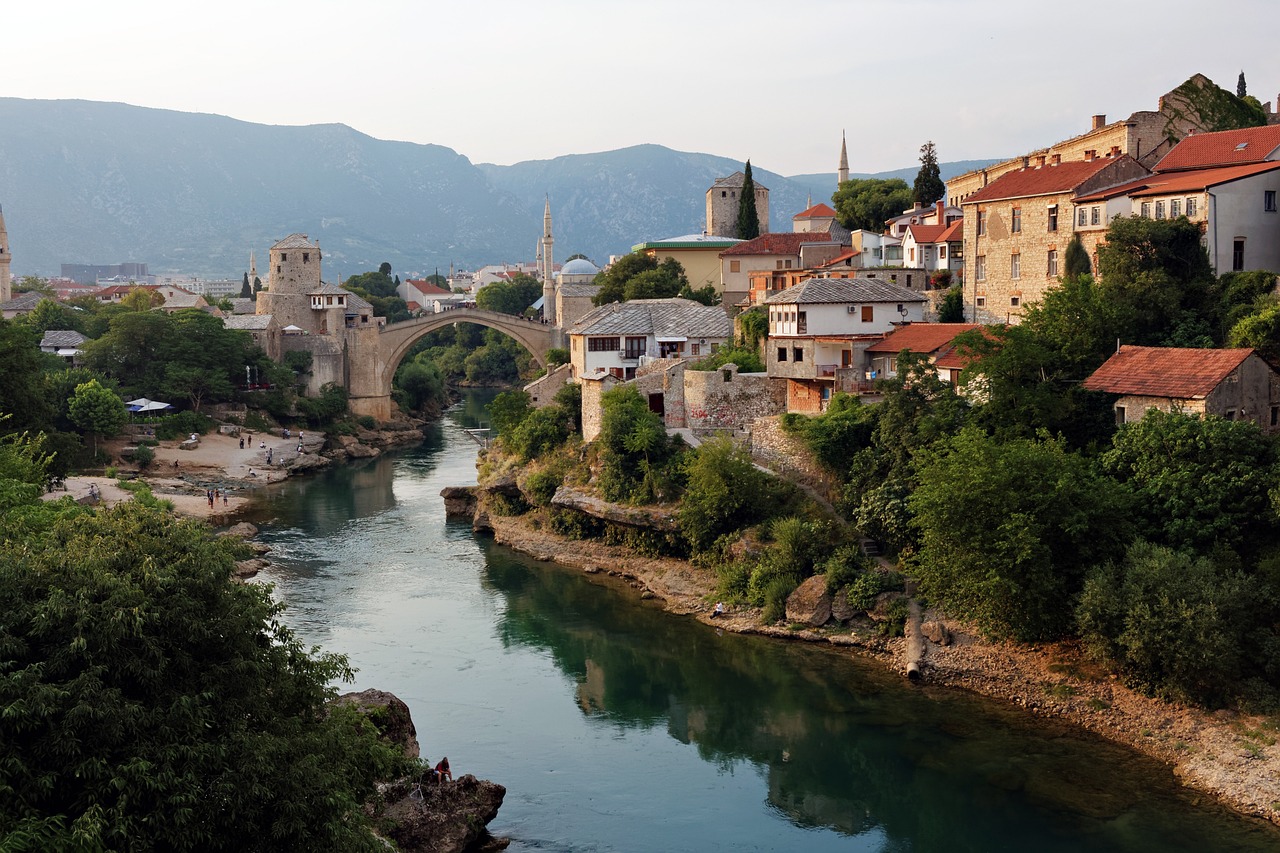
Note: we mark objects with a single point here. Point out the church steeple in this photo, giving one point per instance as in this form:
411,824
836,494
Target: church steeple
6,280
842,174
548,268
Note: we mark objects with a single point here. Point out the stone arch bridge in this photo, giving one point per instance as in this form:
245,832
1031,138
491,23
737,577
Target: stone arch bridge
374,355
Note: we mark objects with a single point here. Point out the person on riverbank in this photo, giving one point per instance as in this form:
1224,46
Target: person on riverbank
442,770
719,611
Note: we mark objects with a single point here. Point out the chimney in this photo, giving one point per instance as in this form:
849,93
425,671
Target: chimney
1026,161
1089,155
937,211
1040,162
1099,120
1115,150
917,205
1055,159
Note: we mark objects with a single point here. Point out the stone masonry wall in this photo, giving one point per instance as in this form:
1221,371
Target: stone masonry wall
592,391
542,391
784,453
727,400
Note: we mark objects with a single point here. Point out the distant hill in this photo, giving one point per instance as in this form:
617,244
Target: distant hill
823,184
91,182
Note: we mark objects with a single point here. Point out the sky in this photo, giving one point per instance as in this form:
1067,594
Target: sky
502,81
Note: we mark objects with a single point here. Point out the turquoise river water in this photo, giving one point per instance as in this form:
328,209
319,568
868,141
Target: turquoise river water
618,727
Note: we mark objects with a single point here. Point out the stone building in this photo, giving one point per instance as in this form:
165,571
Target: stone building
293,275
619,337
722,205
6,274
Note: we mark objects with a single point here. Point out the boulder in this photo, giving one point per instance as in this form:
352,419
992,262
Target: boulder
841,610
936,633
390,714
363,451
306,462
810,603
244,530
880,611
459,501
249,568
443,818
481,522
647,517
189,444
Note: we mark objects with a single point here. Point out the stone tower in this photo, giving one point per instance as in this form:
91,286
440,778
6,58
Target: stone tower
293,276
6,274
722,206
548,268
842,173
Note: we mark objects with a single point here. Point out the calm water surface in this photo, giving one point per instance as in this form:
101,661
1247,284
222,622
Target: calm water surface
616,726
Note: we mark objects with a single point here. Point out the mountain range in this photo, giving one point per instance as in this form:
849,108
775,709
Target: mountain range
93,182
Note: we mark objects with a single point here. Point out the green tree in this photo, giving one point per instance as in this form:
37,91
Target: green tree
508,410
257,287
384,268
141,682
97,411
1241,88
513,296
952,308
1075,261
557,356
1172,623
1260,330
724,492
246,289
540,430
1197,481
748,216
1007,530
21,390
197,383
747,360
639,276
49,314
634,449
753,327
421,386
866,203
928,186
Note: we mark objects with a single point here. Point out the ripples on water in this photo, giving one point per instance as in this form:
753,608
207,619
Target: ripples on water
616,726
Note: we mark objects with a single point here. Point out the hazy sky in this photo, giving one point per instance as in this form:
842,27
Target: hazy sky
502,81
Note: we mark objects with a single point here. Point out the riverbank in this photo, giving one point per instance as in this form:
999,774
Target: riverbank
1229,756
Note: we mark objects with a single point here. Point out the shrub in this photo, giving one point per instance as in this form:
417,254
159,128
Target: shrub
843,567
256,422
734,578
182,425
540,487
367,422
724,492
774,597
539,431
143,455
864,588
574,525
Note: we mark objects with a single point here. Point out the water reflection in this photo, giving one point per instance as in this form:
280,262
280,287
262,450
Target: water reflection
843,745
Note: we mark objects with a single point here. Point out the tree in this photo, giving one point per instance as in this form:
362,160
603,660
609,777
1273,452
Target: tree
1241,89
96,411
928,187
1007,530
385,268
513,296
246,289
1260,330
639,276
257,287
725,492
748,216
21,394
197,383
1197,481
866,203
33,284
634,448
1075,261
508,409
142,682
952,308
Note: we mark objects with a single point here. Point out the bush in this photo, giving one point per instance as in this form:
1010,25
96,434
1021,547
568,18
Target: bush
143,455
540,431
864,589
844,566
734,577
256,422
367,422
182,425
540,487
774,597
724,492
574,525
557,356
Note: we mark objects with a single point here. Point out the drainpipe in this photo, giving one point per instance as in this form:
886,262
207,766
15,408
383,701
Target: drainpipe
1213,217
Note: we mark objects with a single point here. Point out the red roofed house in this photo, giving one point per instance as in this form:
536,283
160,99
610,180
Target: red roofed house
781,251
935,247
1228,182
1232,383
1016,230
818,217
932,340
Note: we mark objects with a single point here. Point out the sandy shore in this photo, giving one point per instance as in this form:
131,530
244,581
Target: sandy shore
217,462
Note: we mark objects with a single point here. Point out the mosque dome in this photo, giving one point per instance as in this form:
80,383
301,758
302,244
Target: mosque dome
579,266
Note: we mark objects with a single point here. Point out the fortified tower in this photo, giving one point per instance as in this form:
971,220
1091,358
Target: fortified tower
722,206
293,276
6,280
548,268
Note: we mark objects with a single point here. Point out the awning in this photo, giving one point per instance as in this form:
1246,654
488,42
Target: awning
670,340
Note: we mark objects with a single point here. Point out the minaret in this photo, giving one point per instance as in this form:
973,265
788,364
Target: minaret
253,268
549,270
6,285
842,174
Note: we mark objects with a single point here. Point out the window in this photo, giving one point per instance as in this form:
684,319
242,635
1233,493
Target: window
306,257
1051,268
1160,210
868,314
797,355
980,301
1275,415
782,353
942,253
603,344
1119,415
695,349
779,263
1015,265
1015,301
802,323
1015,220
911,254
1146,210
1230,414
1082,217
980,268
788,263
1191,207
1237,255
1269,201
735,266
1094,217
284,256
982,222
635,347
1053,217
1175,208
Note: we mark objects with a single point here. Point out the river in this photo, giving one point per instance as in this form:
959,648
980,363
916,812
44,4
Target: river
617,726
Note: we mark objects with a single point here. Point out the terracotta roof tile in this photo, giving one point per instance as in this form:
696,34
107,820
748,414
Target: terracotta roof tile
1046,180
818,211
1175,372
782,243
1228,147
953,234
1166,183
926,233
427,288
921,337
839,259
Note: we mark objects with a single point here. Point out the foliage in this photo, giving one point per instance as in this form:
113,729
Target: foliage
748,217
952,308
329,406
1241,88
246,289
1260,330
1075,261
1196,481
569,399
639,276
1213,108
638,461
557,356
539,431
789,559
1174,624
867,203
513,296
22,395
747,360
182,424
142,682
753,327
379,290
96,410
143,455
928,186
420,387
1008,528
845,427
49,314
705,295
508,410
724,492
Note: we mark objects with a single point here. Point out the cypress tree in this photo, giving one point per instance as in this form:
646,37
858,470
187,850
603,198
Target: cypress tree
1241,91
748,217
1076,262
246,292
928,187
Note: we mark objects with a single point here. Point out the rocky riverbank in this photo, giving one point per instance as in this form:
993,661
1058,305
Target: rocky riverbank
1230,756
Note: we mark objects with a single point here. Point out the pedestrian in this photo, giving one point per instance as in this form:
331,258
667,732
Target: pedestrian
209,494
242,442
224,497
262,445
299,446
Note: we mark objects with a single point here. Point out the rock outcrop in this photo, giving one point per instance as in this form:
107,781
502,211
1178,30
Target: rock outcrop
652,518
809,603
390,714
459,501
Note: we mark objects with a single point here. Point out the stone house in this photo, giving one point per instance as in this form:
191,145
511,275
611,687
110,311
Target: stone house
1016,230
772,253
64,343
20,305
935,247
932,340
263,328
619,337
939,213
1235,384
820,329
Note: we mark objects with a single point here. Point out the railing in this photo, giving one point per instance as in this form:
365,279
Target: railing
827,371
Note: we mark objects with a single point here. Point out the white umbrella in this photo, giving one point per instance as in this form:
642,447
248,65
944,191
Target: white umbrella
154,406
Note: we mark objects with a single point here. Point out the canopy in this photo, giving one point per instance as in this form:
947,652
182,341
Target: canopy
142,404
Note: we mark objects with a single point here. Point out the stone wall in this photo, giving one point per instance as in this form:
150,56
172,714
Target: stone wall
784,453
665,377
725,399
592,391
542,391
327,363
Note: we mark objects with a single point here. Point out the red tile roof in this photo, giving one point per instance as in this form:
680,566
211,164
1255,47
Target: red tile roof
782,243
953,234
1169,183
839,259
926,233
818,211
1228,147
427,288
1046,180
1174,372
921,337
